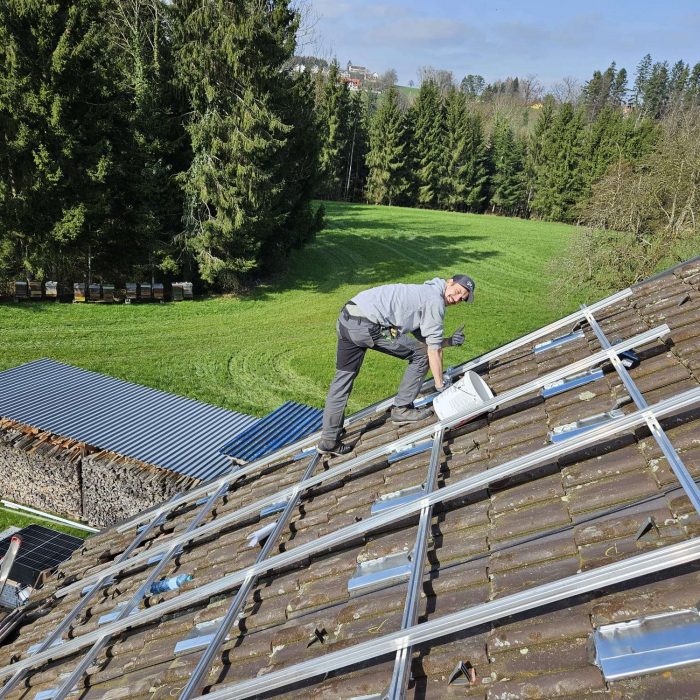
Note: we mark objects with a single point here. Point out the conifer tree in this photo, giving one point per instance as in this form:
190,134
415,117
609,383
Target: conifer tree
466,175
560,173
58,119
428,145
508,190
692,93
387,182
240,185
641,80
535,147
614,138
361,106
334,119
657,91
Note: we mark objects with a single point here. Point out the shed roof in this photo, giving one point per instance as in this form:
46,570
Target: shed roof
561,518
169,431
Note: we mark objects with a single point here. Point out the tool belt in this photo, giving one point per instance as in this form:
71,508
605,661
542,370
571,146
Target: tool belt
351,311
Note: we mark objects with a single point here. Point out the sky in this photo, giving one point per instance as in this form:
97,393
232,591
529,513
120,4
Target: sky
546,38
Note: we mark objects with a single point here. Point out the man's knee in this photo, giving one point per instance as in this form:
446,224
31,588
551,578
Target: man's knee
420,357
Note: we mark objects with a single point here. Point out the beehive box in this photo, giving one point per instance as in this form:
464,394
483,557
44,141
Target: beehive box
21,289
108,293
146,291
176,291
94,292
187,290
132,292
79,292
51,290
35,289
158,291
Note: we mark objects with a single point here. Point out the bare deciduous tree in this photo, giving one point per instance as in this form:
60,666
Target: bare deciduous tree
568,89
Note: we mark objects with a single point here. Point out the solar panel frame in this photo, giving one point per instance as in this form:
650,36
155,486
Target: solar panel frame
42,549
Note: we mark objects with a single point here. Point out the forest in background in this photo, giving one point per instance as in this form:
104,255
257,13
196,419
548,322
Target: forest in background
146,138
620,159
139,137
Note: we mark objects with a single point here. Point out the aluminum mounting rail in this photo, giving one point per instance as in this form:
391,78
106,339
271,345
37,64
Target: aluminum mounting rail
378,452
586,582
194,685
679,469
459,488
56,635
124,612
310,440
402,662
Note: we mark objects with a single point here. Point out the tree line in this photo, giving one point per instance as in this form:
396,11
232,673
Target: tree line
498,147
607,154
142,137
145,138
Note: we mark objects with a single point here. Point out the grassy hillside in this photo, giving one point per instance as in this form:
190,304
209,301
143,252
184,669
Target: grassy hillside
253,353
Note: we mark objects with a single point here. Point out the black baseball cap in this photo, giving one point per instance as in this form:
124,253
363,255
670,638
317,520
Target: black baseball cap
468,283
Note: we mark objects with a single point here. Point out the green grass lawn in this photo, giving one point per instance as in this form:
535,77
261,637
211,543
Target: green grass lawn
251,354
11,517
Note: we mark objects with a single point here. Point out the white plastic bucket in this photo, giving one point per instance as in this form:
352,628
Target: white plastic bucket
465,395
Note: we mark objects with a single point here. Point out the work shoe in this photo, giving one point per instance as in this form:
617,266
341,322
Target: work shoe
409,414
337,448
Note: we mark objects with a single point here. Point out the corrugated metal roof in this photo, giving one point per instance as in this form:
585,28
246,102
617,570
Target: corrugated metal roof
286,424
166,430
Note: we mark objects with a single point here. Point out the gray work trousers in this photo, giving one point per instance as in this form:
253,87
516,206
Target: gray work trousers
355,336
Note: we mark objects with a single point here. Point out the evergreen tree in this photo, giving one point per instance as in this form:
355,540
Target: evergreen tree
560,173
387,182
151,145
334,118
618,92
641,80
613,138
678,83
58,160
657,91
361,106
535,147
508,191
466,175
240,187
427,142
692,93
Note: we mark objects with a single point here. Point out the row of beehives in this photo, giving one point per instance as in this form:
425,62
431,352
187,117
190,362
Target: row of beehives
106,293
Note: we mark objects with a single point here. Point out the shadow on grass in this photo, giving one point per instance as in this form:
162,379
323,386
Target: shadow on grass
338,258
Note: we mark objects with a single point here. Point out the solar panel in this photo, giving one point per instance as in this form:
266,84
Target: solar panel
42,549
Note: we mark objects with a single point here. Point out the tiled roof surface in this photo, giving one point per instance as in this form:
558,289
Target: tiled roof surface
582,511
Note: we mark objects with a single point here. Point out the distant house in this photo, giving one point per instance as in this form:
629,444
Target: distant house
353,83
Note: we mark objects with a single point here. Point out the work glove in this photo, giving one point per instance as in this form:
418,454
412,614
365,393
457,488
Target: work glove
457,338
446,382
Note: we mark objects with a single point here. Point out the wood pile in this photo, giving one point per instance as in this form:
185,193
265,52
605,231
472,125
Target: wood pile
70,478
115,488
41,470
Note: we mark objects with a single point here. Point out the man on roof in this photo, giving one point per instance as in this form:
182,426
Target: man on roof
381,318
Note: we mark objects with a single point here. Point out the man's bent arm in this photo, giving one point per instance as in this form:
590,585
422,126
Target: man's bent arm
435,361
